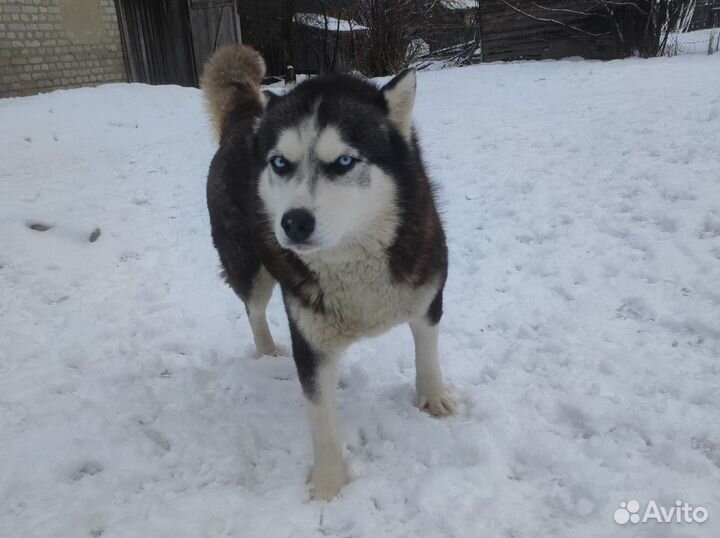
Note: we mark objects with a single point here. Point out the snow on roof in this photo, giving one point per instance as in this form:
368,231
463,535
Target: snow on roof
317,20
459,4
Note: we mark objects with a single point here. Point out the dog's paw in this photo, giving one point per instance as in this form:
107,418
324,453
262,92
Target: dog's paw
438,405
326,482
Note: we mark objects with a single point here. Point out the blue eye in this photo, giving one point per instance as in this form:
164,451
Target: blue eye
346,161
278,163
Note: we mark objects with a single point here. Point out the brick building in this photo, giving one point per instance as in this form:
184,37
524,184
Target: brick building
51,44
48,44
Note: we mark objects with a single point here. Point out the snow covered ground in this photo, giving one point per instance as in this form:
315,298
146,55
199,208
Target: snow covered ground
581,337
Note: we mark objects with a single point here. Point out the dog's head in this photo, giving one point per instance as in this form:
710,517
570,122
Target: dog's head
334,153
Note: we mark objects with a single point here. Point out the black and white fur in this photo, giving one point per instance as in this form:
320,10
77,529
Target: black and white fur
323,190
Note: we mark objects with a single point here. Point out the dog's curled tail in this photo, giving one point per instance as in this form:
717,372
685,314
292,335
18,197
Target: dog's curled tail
231,79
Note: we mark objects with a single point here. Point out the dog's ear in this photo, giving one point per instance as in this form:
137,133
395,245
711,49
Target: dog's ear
271,98
400,96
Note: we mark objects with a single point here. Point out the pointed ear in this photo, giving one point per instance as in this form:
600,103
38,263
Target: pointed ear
271,98
400,96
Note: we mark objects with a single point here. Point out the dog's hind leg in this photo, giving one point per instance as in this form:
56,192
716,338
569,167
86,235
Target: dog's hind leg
431,394
256,307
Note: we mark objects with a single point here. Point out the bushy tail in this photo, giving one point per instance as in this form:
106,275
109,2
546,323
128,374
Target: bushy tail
231,79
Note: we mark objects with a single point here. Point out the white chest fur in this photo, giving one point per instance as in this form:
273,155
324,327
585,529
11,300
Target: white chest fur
360,299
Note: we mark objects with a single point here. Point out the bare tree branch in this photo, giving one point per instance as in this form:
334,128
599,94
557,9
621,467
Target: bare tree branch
552,21
560,10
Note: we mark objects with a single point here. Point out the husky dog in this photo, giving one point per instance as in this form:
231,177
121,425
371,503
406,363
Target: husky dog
323,190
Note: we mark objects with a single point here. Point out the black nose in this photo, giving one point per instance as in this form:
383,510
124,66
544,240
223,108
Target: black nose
298,224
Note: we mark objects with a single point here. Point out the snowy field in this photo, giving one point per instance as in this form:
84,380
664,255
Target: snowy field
581,337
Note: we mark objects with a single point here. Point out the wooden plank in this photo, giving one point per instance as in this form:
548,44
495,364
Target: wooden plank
532,30
156,39
212,25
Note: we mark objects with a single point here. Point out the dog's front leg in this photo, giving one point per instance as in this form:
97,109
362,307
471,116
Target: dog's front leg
431,394
329,473
318,376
